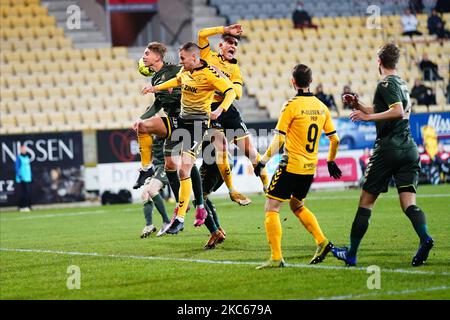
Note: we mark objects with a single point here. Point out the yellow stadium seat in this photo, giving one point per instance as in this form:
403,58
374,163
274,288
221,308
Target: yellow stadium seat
67,67
70,92
111,103
80,103
52,67
59,55
57,119
24,10
285,23
102,90
54,92
257,24
104,53
72,116
121,116
8,121
62,80
89,119
118,89
144,101
21,69
40,119
48,105
38,93
13,82
127,102
83,66
15,107
45,81
32,2
96,103
62,104
64,43
39,10
120,52
89,54
108,77
20,45
46,21
77,79
32,107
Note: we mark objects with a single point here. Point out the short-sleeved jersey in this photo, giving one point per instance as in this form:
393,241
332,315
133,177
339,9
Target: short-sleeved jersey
302,121
393,134
229,68
168,101
197,90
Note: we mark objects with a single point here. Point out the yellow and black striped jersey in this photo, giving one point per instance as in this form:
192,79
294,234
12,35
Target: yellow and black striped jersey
197,90
229,68
302,120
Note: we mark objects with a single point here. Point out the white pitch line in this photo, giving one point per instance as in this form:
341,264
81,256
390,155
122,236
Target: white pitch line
388,293
437,195
53,215
224,262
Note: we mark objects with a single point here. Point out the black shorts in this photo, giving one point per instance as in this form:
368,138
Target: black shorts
230,122
211,178
189,133
401,164
285,185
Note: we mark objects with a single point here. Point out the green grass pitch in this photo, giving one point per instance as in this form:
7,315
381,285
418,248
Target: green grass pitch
38,247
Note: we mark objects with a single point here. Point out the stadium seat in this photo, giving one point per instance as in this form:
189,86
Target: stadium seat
80,104
48,106
120,52
77,79
45,80
70,92
63,104
61,80
38,93
96,103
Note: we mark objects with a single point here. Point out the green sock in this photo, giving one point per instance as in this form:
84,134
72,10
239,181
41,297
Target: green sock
417,218
209,221
148,210
159,204
211,208
359,228
174,182
197,186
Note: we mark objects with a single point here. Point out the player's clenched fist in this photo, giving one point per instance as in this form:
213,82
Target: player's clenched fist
350,99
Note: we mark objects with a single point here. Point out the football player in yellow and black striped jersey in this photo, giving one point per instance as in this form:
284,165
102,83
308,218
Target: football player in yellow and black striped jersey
225,62
198,83
302,120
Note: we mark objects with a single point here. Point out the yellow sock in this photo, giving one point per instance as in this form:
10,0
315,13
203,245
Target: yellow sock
145,148
274,233
224,168
184,196
264,177
309,221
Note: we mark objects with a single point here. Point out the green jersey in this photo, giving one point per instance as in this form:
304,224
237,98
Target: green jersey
393,134
169,102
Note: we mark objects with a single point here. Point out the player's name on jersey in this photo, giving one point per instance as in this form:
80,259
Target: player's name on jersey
313,112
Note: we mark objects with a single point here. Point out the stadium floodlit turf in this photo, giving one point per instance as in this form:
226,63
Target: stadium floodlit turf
38,247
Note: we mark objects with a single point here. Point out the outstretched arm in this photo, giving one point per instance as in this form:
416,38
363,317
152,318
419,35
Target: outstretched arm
203,34
172,83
